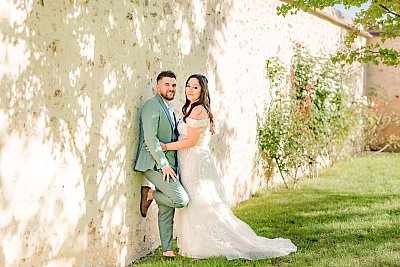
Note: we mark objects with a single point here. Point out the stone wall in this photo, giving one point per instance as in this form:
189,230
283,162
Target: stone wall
74,75
385,82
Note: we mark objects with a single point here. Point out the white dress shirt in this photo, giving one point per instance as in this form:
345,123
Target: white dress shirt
170,107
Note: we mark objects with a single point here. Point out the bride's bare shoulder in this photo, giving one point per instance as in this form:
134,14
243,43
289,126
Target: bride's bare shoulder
199,113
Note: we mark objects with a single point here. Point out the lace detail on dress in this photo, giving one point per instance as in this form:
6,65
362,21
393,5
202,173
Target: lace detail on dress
205,135
207,227
197,123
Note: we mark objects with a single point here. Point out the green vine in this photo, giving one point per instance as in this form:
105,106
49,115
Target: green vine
307,119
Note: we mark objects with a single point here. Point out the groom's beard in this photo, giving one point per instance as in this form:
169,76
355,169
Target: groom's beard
168,96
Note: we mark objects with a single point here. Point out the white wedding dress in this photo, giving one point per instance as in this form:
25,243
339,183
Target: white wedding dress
207,227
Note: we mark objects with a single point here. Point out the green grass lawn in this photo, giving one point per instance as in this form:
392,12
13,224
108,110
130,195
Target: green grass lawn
349,216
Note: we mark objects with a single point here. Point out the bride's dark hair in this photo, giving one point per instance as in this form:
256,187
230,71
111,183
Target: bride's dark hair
204,98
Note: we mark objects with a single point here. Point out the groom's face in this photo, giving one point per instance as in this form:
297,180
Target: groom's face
166,88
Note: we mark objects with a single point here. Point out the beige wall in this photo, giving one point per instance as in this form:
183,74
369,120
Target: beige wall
73,77
386,81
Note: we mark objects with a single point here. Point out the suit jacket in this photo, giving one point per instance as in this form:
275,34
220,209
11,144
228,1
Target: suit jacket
155,125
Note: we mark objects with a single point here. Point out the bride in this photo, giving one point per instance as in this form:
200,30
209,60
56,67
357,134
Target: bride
207,227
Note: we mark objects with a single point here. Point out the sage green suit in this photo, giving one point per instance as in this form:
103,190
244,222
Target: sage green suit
157,125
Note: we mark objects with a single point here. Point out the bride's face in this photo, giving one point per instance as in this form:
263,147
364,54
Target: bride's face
193,90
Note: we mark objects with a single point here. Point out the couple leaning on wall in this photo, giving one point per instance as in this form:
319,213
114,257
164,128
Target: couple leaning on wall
174,156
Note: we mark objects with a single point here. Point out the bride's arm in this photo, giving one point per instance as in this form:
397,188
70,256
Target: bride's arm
193,133
193,136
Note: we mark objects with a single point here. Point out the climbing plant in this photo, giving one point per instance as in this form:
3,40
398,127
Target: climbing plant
308,118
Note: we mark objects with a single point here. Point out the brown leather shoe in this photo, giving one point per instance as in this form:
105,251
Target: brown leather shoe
144,203
175,255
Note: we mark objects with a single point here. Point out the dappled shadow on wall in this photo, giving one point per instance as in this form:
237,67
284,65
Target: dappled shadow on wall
73,79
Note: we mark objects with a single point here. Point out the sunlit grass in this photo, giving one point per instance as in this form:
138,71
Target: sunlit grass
349,216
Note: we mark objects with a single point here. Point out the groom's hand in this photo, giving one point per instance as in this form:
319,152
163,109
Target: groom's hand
168,173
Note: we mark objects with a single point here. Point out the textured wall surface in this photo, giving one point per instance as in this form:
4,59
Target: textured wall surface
386,82
74,75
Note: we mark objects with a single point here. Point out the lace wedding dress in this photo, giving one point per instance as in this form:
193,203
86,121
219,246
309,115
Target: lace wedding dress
207,227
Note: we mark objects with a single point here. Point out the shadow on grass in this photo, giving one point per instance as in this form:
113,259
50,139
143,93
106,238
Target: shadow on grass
334,222
329,227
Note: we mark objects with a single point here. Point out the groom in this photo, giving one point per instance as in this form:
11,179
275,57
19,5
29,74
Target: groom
158,123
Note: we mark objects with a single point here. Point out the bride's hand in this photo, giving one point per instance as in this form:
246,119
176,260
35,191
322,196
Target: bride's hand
163,146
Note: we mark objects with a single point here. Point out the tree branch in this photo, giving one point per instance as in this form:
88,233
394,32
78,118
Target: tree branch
389,11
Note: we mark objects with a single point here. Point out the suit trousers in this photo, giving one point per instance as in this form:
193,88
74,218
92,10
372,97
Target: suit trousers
168,197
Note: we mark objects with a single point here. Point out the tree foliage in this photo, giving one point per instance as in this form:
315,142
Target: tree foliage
382,16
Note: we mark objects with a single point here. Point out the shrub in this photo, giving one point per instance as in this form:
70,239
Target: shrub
375,120
309,118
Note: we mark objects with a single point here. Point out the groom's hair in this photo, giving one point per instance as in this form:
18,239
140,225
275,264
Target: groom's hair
166,73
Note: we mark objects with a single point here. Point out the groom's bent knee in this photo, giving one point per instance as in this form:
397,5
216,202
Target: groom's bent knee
182,201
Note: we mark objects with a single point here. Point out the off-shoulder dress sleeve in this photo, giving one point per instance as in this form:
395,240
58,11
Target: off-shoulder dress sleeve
197,123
